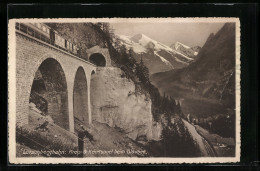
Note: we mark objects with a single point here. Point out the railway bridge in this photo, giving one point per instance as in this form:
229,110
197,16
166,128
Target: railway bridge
46,74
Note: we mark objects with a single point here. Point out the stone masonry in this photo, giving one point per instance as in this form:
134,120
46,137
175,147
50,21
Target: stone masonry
30,53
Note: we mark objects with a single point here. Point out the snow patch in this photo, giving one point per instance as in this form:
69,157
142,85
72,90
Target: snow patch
137,48
163,60
144,40
178,60
188,58
178,44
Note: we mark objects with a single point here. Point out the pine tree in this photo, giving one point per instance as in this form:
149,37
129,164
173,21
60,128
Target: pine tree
143,72
117,43
173,105
146,74
132,61
163,104
123,55
99,25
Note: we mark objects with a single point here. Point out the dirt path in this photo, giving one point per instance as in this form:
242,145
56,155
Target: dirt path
205,148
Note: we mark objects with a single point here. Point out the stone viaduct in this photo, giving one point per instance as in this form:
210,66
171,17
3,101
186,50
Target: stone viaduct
35,56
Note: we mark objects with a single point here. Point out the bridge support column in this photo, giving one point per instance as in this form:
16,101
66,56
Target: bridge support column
70,106
89,104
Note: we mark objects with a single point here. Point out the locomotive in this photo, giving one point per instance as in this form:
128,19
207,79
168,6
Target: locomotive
47,34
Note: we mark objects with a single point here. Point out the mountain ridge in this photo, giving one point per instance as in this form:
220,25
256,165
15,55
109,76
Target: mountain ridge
157,56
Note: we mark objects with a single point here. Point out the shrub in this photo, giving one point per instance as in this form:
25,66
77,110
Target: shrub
177,141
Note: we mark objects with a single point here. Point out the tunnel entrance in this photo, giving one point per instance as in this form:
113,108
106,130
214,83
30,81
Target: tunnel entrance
98,59
48,94
80,99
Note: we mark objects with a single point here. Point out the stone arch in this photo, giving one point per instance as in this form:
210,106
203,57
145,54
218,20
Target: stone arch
98,59
101,52
80,98
51,100
37,64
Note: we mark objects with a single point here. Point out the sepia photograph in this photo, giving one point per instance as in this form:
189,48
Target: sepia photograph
124,90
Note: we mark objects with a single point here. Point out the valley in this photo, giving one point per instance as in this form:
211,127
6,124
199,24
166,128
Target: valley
206,87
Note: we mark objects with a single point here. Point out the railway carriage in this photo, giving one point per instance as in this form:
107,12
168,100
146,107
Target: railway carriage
45,33
38,30
75,49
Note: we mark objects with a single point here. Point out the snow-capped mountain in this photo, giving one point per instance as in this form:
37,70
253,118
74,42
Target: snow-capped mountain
156,56
191,52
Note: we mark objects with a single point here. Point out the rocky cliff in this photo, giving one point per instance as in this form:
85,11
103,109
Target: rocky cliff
115,102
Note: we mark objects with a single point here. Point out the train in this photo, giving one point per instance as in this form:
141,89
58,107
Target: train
49,35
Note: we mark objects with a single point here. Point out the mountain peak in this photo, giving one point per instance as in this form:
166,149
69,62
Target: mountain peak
137,37
141,38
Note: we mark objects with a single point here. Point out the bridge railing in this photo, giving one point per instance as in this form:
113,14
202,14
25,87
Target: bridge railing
31,32
27,30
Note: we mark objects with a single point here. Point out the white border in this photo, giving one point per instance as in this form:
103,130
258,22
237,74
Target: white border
116,160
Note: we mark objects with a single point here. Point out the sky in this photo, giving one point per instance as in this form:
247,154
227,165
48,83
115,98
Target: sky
191,34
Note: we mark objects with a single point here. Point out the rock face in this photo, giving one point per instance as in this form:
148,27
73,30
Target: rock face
114,102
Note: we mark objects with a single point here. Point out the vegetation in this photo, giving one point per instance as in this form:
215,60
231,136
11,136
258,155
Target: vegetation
223,125
176,141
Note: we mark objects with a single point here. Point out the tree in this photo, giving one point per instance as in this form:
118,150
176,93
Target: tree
173,105
117,43
143,73
132,61
99,25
